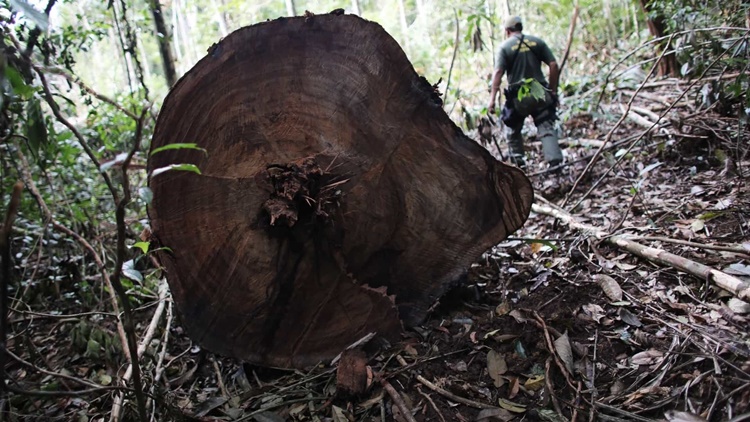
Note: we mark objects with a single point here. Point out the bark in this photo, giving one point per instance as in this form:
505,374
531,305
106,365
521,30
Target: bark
336,197
668,66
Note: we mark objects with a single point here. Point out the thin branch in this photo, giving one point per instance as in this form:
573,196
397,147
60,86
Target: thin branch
31,186
52,373
101,97
456,42
643,134
571,31
120,259
734,249
451,396
398,401
611,132
723,280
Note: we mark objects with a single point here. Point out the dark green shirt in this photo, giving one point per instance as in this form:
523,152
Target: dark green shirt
528,61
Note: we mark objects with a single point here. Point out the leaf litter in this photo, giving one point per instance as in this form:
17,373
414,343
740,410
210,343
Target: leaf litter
551,325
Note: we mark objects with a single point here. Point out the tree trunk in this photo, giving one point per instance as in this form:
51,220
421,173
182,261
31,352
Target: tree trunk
291,10
355,7
668,65
336,197
165,48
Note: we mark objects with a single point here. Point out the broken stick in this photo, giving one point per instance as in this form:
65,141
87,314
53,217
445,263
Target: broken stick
723,280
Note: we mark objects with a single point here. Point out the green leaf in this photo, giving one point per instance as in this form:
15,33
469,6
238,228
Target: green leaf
179,167
39,18
178,146
543,242
142,246
17,84
129,271
36,128
146,194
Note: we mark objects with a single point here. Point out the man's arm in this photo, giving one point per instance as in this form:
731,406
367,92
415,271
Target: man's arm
554,76
496,79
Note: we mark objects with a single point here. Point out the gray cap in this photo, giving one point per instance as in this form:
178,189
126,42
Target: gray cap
513,22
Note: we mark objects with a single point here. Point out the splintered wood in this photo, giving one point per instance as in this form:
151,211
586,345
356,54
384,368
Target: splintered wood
335,196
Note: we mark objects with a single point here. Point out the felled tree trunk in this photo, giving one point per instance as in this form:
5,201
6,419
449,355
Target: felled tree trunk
336,198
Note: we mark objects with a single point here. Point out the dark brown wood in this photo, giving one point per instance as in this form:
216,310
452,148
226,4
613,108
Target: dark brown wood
668,65
351,375
336,197
164,39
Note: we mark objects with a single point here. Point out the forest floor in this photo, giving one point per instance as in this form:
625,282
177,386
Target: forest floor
552,324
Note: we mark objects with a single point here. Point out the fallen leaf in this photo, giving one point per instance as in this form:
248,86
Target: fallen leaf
495,414
339,415
610,287
629,318
562,346
550,415
271,417
459,366
534,383
648,357
594,311
496,367
697,226
511,406
677,416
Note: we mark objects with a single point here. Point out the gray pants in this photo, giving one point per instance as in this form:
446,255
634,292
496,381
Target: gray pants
546,133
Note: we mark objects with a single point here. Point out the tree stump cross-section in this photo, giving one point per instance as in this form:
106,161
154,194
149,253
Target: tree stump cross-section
336,197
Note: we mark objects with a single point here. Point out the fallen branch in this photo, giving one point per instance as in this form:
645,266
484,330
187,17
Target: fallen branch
451,396
145,341
723,280
398,400
733,249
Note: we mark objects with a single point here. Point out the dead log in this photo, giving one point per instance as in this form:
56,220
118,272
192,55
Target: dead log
336,197
721,279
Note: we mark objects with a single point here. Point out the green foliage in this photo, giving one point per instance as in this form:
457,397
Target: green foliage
531,87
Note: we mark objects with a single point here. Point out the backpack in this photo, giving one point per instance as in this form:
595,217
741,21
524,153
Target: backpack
529,103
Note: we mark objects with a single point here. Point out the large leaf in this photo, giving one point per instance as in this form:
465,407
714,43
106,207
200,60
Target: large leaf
40,19
36,128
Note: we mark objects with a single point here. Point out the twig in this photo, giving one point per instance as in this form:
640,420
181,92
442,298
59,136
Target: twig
117,284
52,373
133,367
611,132
432,402
576,403
451,396
571,31
619,411
551,347
456,42
725,281
592,381
733,249
31,186
643,134
5,271
551,388
48,393
397,400
101,97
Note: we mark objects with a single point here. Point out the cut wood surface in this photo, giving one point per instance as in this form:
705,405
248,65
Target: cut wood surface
336,197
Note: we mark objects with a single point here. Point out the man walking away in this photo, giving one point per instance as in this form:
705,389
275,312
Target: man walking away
521,56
